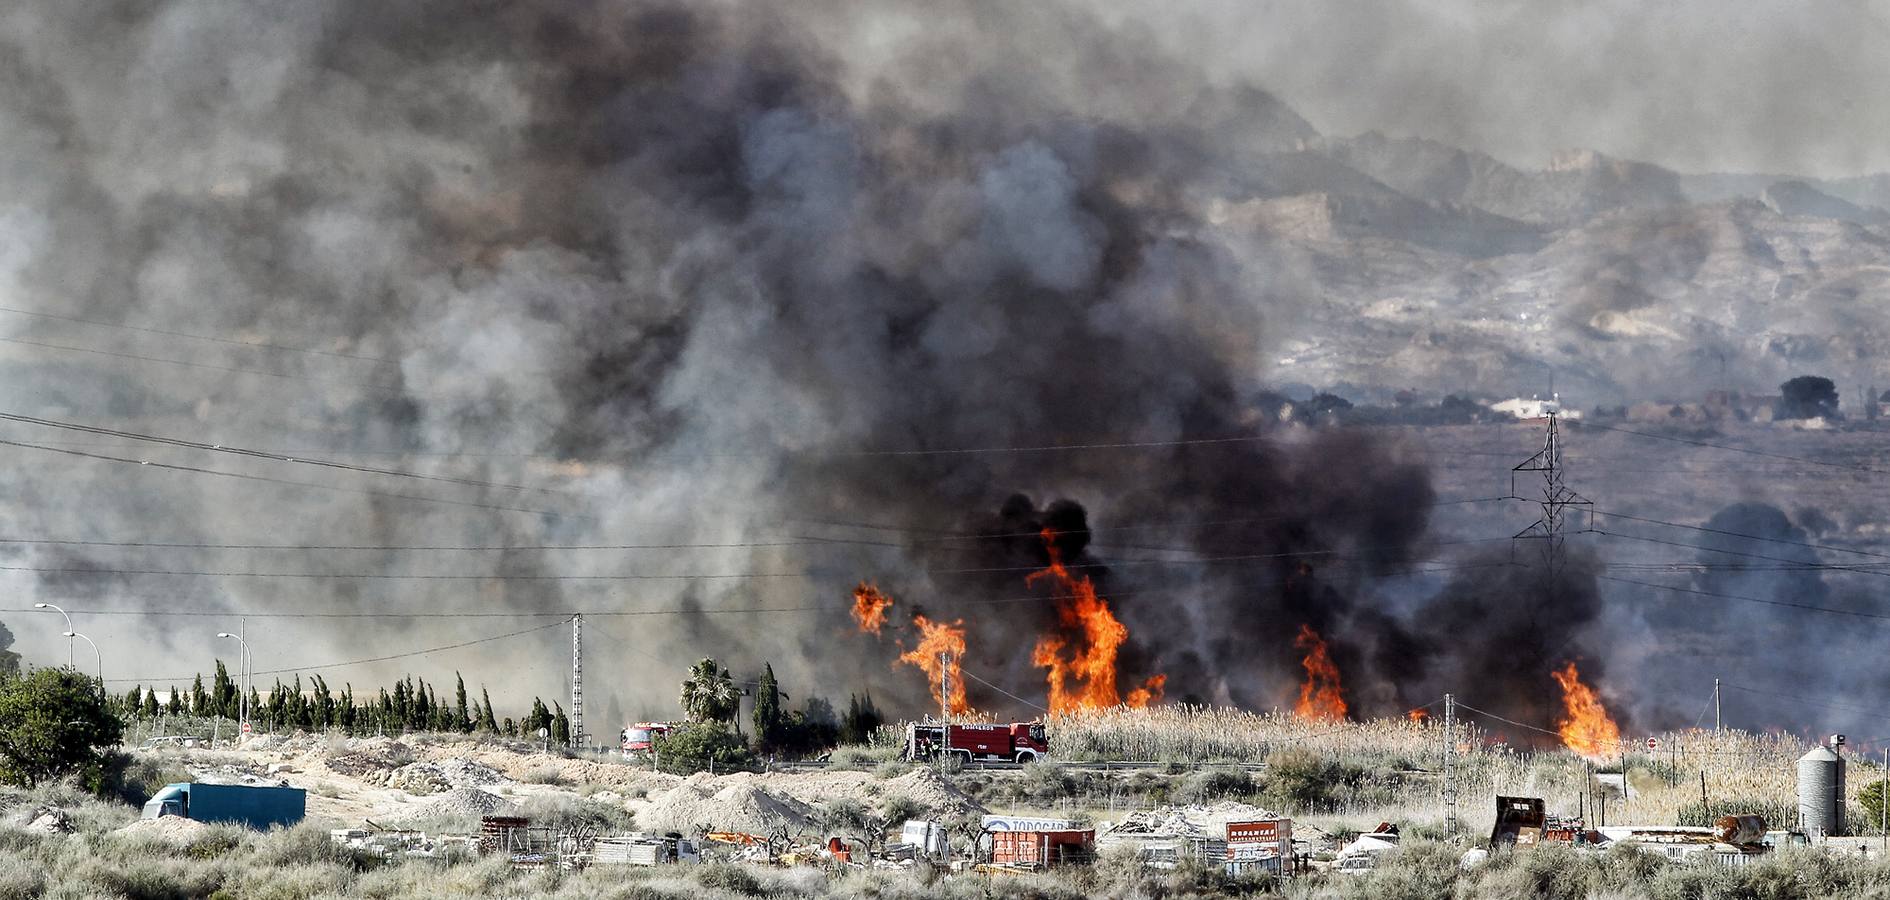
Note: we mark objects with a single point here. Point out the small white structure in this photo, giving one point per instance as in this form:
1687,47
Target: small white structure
1535,408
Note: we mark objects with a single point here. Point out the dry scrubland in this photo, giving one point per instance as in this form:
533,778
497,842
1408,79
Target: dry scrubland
1332,778
1389,769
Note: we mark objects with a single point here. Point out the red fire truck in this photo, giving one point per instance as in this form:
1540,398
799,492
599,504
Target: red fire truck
1016,742
640,738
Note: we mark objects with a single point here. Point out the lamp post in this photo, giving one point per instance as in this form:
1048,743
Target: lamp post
70,649
96,653
242,696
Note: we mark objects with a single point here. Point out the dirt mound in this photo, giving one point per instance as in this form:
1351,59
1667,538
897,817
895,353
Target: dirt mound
465,801
939,797
698,804
175,829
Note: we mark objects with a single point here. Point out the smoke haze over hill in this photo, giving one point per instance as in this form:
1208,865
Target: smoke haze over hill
832,290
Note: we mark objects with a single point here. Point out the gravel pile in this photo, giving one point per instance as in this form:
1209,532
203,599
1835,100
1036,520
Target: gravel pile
466,801
443,775
697,805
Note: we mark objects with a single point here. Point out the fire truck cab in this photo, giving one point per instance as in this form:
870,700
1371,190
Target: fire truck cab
640,739
1015,742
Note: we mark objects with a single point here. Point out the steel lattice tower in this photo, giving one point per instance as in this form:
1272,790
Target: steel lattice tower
1558,501
577,680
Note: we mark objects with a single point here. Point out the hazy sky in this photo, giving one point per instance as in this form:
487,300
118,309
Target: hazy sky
1698,85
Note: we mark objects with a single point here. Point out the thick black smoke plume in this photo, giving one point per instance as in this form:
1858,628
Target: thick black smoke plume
712,274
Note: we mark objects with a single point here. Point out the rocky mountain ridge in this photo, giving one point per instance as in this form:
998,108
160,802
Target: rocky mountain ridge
1442,269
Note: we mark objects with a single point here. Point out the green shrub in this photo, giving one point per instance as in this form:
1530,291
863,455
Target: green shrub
703,746
561,811
134,778
899,807
1215,784
730,877
861,758
1304,781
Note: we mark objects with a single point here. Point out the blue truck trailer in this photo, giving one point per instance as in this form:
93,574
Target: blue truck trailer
256,807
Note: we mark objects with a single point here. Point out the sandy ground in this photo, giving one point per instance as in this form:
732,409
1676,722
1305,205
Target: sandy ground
390,782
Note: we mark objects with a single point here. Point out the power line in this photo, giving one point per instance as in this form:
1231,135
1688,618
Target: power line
358,662
226,614
794,542
1798,563
198,337
1740,534
1814,702
675,576
194,365
287,481
968,674
1783,603
944,535
1594,746
165,545
152,612
264,454
1697,443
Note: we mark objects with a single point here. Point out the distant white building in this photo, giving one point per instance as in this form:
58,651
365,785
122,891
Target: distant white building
1535,408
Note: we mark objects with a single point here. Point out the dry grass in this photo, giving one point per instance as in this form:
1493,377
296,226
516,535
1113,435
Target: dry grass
1738,767
1203,734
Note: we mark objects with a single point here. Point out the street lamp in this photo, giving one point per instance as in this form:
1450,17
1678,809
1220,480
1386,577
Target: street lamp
242,695
95,652
70,650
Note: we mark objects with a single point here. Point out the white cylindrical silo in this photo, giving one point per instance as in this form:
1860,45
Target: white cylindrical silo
1820,803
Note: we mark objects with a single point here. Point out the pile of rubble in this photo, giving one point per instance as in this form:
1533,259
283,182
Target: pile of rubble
42,818
434,777
407,844
1194,821
369,759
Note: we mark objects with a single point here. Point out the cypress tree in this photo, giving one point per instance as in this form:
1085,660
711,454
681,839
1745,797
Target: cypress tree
768,719
487,721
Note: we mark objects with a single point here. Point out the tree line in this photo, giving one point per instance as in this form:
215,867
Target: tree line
410,705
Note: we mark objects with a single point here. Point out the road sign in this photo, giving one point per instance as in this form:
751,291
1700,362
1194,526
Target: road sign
245,727
1653,743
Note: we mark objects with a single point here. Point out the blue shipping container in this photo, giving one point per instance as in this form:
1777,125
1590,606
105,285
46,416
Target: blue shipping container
257,807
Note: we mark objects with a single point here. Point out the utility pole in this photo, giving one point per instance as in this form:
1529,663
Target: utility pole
945,688
242,679
577,681
944,706
1450,767
1716,720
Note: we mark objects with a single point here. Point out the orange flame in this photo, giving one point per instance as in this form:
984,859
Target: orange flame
1081,663
1417,715
1585,726
1321,698
936,638
869,607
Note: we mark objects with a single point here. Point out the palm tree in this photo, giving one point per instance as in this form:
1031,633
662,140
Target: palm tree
709,693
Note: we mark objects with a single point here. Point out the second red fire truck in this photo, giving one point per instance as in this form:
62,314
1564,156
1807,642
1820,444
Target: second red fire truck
1015,742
